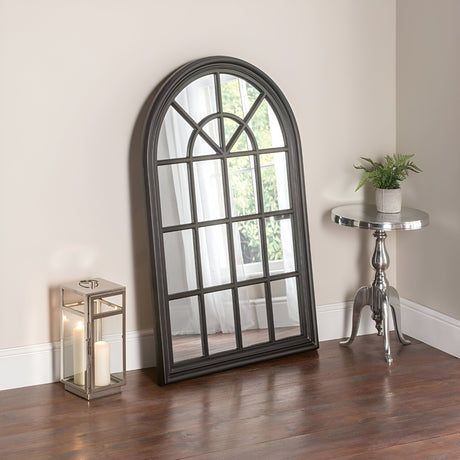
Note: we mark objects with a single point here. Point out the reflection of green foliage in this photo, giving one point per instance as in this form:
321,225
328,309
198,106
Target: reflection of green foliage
244,202
250,241
261,128
241,174
231,103
273,230
269,190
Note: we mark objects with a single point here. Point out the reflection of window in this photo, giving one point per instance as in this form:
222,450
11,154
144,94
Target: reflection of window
243,183
226,205
237,98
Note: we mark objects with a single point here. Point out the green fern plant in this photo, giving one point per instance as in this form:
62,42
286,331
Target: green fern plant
388,173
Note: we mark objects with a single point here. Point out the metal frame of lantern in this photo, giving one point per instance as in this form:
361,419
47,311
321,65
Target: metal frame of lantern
85,305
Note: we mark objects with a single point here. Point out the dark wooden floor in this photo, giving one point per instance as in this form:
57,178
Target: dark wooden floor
334,403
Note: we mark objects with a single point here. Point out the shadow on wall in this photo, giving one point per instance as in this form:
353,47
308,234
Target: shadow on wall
143,275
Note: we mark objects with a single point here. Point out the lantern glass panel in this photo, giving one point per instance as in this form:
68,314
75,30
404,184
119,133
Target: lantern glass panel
74,348
108,350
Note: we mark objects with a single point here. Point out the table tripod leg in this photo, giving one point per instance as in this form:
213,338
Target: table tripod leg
393,298
362,298
386,330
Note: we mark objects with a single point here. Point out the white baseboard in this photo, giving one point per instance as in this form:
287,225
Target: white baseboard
334,321
431,327
37,364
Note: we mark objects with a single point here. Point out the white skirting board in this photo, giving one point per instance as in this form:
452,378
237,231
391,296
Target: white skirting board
431,327
37,364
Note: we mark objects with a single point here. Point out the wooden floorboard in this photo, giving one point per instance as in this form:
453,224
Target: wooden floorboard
332,403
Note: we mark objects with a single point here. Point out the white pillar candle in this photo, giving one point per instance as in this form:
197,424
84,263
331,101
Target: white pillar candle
79,355
102,363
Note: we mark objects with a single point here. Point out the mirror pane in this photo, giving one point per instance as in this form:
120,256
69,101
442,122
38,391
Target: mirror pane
248,255
253,314
275,187
215,263
174,194
285,308
212,130
198,99
242,144
201,147
219,321
184,315
242,185
266,127
237,95
180,261
230,127
174,135
209,190
280,247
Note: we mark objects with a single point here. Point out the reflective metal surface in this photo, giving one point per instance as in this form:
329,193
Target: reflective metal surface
381,297
366,216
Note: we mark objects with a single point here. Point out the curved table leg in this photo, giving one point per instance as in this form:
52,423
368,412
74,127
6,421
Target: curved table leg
362,298
393,298
386,328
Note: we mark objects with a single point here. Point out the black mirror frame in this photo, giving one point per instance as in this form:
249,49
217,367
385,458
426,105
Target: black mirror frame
167,371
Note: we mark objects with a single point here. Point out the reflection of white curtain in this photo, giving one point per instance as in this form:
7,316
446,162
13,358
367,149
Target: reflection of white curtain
199,101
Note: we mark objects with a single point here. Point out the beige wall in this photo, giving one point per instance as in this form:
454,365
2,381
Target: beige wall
428,124
74,76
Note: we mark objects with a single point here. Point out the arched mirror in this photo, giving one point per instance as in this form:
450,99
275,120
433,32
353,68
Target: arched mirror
228,221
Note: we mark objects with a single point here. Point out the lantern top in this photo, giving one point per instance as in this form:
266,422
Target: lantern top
92,286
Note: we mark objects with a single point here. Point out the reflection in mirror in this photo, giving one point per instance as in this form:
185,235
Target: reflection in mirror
184,316
209,190
253,313
279,243
230,127
215,263
223,156
248,255
174,194
275,186
242,144
237,95
220,323
198,98
180,261
174,135
242,185
201,147
211,128
285,308
266,127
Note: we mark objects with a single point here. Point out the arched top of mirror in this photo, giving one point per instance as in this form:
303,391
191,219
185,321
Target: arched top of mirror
228,220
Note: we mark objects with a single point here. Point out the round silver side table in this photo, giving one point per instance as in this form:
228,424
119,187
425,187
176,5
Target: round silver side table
381,297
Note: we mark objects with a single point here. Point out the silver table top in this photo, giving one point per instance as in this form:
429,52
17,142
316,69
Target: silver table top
366,216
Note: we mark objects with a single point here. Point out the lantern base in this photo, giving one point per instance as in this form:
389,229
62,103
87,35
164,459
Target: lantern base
99,392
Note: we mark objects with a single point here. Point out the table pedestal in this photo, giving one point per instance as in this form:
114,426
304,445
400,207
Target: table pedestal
381,298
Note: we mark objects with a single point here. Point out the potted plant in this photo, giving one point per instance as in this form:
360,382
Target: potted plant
386,176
